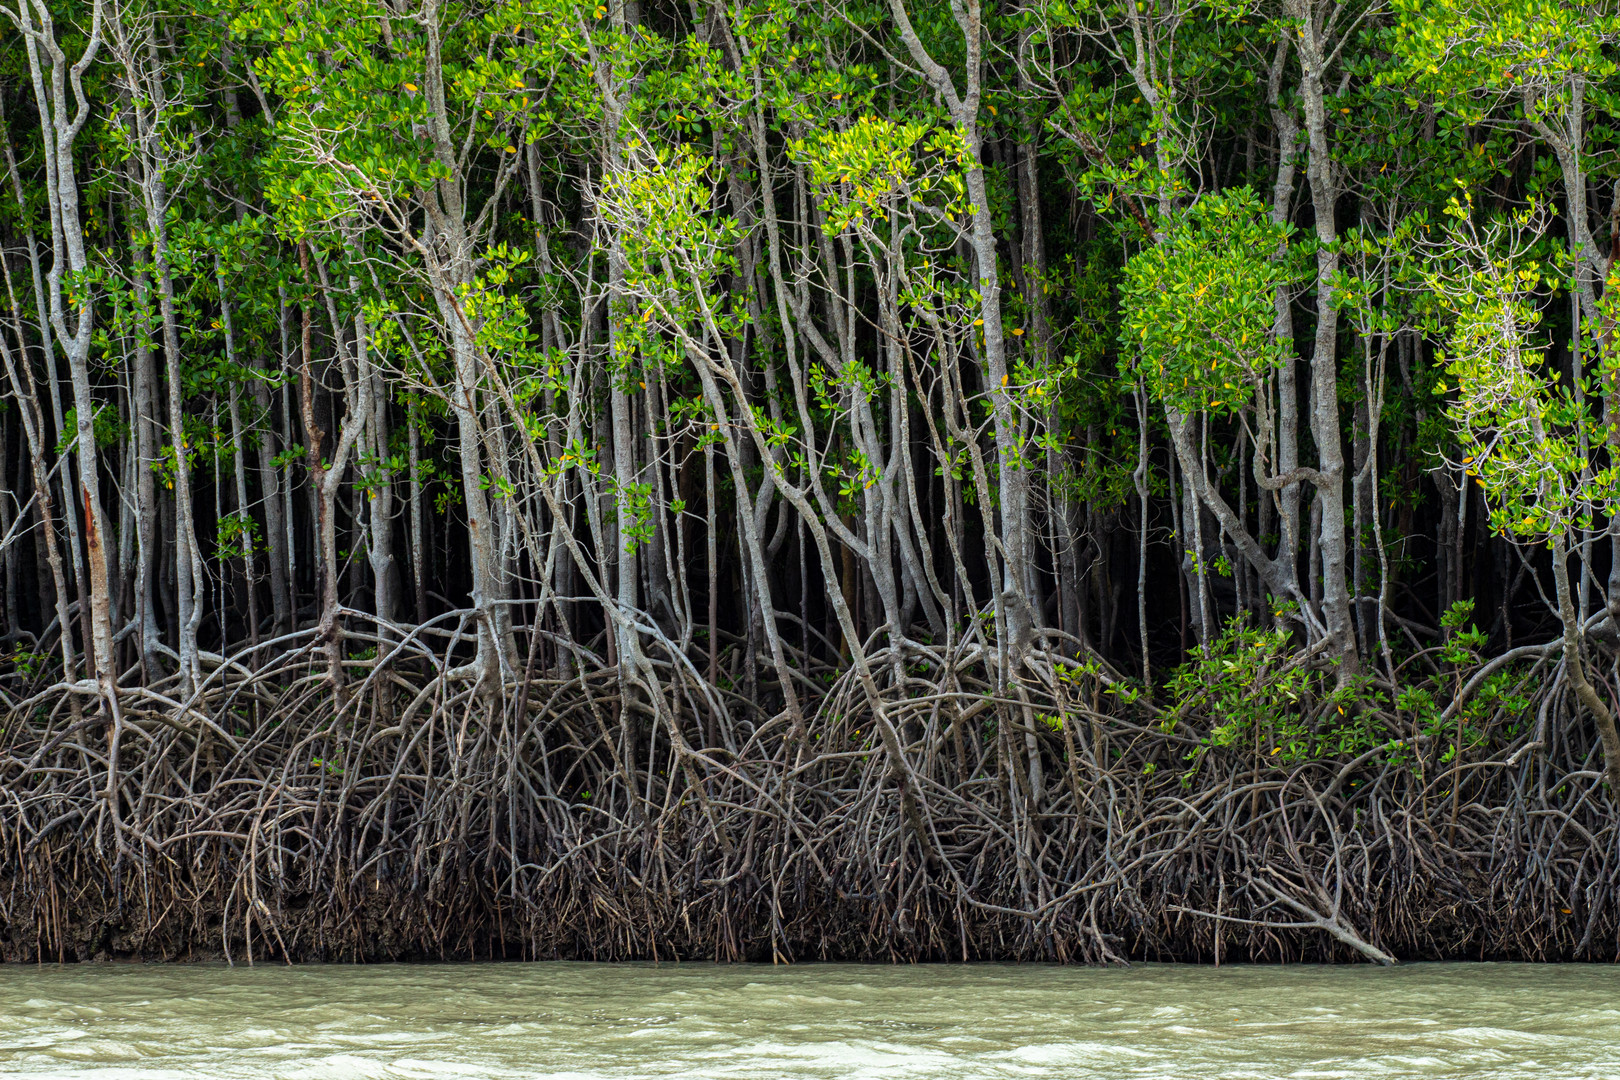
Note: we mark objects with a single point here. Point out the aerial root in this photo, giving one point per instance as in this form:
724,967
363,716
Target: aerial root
420,816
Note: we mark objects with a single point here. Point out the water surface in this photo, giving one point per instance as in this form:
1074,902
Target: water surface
698,1020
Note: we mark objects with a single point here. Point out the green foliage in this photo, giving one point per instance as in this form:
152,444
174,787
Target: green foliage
108,426
1248,683
1523,436
238,537
1476,53
674,246
871,163
1200,304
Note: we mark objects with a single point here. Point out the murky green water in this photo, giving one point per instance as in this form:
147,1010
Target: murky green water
698,1020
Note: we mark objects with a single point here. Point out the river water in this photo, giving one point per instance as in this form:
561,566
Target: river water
699,1020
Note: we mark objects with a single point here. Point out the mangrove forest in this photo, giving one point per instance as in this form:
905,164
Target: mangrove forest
899,480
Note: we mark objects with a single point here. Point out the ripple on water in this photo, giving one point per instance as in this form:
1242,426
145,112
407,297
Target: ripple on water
857,1059
339,1067
423,1069
1083,1054
641,1022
